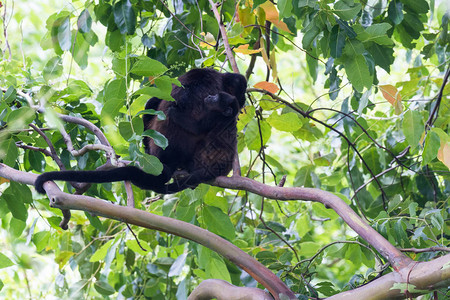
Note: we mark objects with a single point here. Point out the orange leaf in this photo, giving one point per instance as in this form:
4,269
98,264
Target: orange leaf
444,154
244,50
392,95
268,86
3,180
272,15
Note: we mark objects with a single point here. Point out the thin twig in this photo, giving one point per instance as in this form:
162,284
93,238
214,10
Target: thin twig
226,44
53,155
431,249
33,148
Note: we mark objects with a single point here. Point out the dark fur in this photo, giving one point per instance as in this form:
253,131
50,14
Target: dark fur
200,127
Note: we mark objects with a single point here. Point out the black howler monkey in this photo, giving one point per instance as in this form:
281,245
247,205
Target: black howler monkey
200,127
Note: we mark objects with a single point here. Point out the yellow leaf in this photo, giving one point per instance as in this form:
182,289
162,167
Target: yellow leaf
272,15
246,18
273,65
444,154
268,86
264,53
392,95
244,50
209,40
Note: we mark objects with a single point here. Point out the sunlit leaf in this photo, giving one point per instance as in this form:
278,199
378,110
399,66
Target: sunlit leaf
272,15
244,50
5,261
268,86
392,95
413,127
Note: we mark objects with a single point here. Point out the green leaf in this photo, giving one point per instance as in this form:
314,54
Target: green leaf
400,234
309,248
8,152
40,240
309,3
145,66
53,69
80,51
103,288
5,261
252,135
372,159
159,139
353,48
134,246
217,269
395,11
114,40
303,225
101,252
413,127
103,12
358,72
125,17
159,114
154,92
418,6
37,160
285,122
84,21
64,33
125,130
337,41
383,56
116,89
10,95
376,33
16,206
112,107
150,164
346,11
430,150
16,227
218,222
95,221
310,34
284,8
412,25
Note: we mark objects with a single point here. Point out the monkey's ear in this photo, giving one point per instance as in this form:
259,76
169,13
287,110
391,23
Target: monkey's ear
235,84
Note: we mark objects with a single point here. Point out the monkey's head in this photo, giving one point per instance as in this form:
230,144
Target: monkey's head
222,105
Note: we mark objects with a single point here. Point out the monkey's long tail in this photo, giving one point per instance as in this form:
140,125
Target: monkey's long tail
138,177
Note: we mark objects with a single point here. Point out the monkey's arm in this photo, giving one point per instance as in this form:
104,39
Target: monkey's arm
135,175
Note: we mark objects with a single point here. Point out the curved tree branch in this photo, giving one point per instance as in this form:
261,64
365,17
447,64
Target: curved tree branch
64,201
386,249
222,290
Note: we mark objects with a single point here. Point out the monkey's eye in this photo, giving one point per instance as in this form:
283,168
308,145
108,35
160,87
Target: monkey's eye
211,99
228,112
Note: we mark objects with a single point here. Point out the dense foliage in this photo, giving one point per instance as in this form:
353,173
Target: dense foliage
359,110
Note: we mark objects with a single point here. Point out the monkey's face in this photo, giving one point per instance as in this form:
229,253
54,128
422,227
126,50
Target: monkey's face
223,104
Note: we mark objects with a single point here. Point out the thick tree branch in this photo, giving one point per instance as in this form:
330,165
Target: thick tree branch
386,249
222,290
412,280
134,216
425,276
